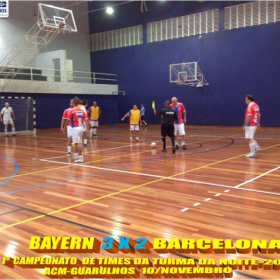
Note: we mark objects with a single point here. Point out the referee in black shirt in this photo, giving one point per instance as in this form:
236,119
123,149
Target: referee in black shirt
169,116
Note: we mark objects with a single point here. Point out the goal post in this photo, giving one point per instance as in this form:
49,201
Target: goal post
24,109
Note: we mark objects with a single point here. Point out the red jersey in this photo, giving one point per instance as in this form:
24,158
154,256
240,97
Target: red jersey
253,110
65,115
77,117
179,109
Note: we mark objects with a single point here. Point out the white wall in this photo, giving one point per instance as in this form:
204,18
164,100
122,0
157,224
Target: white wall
57,88
45,60
23,15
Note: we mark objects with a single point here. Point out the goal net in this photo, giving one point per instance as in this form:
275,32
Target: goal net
24,110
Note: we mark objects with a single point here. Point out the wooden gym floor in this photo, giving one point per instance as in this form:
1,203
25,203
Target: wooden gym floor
209,191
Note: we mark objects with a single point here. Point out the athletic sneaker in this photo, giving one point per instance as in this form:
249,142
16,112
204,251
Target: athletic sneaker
173,150
95,137
164,150
184,147
258,148
177,147
90,137
251,155
68,154
85,145
80,160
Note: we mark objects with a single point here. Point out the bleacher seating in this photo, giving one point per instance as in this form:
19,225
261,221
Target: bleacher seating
25,74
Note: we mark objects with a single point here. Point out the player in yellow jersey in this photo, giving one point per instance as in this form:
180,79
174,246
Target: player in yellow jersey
135,117
94,112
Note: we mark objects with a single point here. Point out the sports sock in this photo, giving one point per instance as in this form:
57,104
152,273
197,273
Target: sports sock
172,141
6,131
94,131
252,148
176,143
182,143
130,137
90,132
256,143
163,142
69,149
85,141
13,130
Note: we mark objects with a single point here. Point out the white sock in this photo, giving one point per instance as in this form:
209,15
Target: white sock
256,143
182,143
85,141
90,132
13,130
130,137
69,149
94,131
137,138
252,148
176,143
6,131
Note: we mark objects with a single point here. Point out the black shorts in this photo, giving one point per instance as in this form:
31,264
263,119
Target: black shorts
167,130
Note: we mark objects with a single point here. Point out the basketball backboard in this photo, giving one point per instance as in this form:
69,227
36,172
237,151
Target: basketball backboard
56,17
186,73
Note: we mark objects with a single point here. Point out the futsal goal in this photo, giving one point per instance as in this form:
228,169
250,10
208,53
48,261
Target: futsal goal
24,109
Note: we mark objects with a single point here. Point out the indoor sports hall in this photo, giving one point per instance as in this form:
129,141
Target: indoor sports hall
214,195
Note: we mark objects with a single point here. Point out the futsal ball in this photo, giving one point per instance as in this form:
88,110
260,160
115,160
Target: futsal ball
153,144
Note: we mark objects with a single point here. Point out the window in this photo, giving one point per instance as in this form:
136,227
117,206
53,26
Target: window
119,38
185,26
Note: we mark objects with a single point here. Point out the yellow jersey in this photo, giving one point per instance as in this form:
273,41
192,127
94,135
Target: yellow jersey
94,113
135,116
83,108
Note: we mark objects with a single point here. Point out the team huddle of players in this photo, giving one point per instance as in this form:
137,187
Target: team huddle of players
75,122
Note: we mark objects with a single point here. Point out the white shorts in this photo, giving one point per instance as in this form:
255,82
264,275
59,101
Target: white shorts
250,132
179,129
77,134
8,121
69,131
134,127
94,123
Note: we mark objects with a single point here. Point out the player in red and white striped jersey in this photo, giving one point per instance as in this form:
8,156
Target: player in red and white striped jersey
78,118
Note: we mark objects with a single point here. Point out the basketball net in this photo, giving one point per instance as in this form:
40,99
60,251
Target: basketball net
64,28
180,81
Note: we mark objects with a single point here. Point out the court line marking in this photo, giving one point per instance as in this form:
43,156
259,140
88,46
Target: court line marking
51,169
29,148
244,183
121,191
101,150
241,171
253,179
142,174
97,151
56,168
14,173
